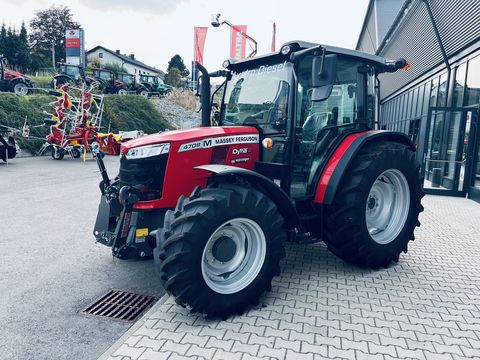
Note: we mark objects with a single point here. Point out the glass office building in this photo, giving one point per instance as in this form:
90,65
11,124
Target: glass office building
436,101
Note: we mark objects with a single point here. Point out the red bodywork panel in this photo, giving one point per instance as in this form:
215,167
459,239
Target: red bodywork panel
229,145
10,74
332,165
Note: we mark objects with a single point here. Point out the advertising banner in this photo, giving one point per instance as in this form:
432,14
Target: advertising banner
200,36
74,47
238,41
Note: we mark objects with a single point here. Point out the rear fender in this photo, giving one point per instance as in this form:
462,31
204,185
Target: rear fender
338,163
264,184
13,81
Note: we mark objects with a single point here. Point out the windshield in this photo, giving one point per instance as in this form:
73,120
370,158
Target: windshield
147,79
127,79
104,75
259,96
71,70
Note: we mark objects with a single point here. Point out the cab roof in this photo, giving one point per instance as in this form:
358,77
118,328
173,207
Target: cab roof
297,45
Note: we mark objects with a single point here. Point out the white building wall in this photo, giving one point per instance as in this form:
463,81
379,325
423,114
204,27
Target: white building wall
107,58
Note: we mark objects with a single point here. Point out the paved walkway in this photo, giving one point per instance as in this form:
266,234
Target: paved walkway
425,307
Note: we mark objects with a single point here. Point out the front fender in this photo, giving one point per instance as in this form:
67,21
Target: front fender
263,184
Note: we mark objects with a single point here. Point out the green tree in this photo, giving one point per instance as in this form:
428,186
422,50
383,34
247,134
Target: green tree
173,77
3,38
9,47
22,50
177,62
116,68
48,29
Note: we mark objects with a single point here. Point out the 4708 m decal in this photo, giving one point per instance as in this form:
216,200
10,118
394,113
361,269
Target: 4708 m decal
219,141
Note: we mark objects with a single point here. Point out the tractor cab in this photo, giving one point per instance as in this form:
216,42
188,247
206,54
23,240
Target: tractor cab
74,71
108,83
70,74
304,101
149,81
127,79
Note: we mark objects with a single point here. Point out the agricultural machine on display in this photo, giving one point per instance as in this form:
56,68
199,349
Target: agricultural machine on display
107,82
13,81
75,123
8,147
132,85
296,157
155,86
71,74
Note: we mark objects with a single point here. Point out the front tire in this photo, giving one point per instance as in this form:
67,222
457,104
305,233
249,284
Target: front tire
376,209
220,248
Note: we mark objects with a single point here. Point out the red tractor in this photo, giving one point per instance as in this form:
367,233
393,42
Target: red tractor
13,81
295,157
108,84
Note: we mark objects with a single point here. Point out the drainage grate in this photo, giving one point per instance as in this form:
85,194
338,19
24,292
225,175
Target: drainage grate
120,305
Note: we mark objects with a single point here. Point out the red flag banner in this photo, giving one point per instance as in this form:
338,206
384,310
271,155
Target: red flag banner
238,41
200,36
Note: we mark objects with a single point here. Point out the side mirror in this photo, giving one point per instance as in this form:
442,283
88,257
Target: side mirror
324,72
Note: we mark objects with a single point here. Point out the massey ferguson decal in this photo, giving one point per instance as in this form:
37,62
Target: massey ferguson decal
219,141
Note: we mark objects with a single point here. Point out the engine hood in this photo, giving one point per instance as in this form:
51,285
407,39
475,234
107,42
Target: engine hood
10,74
188,135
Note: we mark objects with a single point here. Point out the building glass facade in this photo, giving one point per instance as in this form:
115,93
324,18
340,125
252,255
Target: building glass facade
437,101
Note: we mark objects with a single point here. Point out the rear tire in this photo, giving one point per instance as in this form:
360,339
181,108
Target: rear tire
220,248
376,208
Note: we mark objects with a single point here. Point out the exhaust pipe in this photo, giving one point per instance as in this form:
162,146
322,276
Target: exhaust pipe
205,95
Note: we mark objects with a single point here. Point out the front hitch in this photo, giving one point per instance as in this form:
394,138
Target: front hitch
98,155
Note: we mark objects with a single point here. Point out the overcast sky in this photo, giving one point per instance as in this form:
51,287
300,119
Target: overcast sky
155,30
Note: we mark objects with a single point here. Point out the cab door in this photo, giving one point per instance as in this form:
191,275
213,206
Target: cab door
322,125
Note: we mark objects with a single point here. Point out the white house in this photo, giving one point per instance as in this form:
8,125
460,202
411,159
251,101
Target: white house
128,62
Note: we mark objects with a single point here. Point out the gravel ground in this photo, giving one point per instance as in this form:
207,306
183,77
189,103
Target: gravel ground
177,115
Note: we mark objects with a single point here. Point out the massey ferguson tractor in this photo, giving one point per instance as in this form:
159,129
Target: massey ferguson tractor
296,157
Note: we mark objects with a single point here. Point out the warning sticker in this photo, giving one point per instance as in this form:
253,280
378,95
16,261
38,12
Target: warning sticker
141,232
219,141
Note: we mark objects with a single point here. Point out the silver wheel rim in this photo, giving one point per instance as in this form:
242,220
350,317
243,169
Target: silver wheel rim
144,93
387,207
20,89
233,256
122,92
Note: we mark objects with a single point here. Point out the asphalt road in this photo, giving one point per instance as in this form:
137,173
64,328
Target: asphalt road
50,266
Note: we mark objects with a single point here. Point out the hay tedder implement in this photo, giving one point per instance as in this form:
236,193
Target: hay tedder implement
75,122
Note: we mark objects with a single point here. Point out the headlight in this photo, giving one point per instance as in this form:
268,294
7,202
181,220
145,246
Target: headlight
147,151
